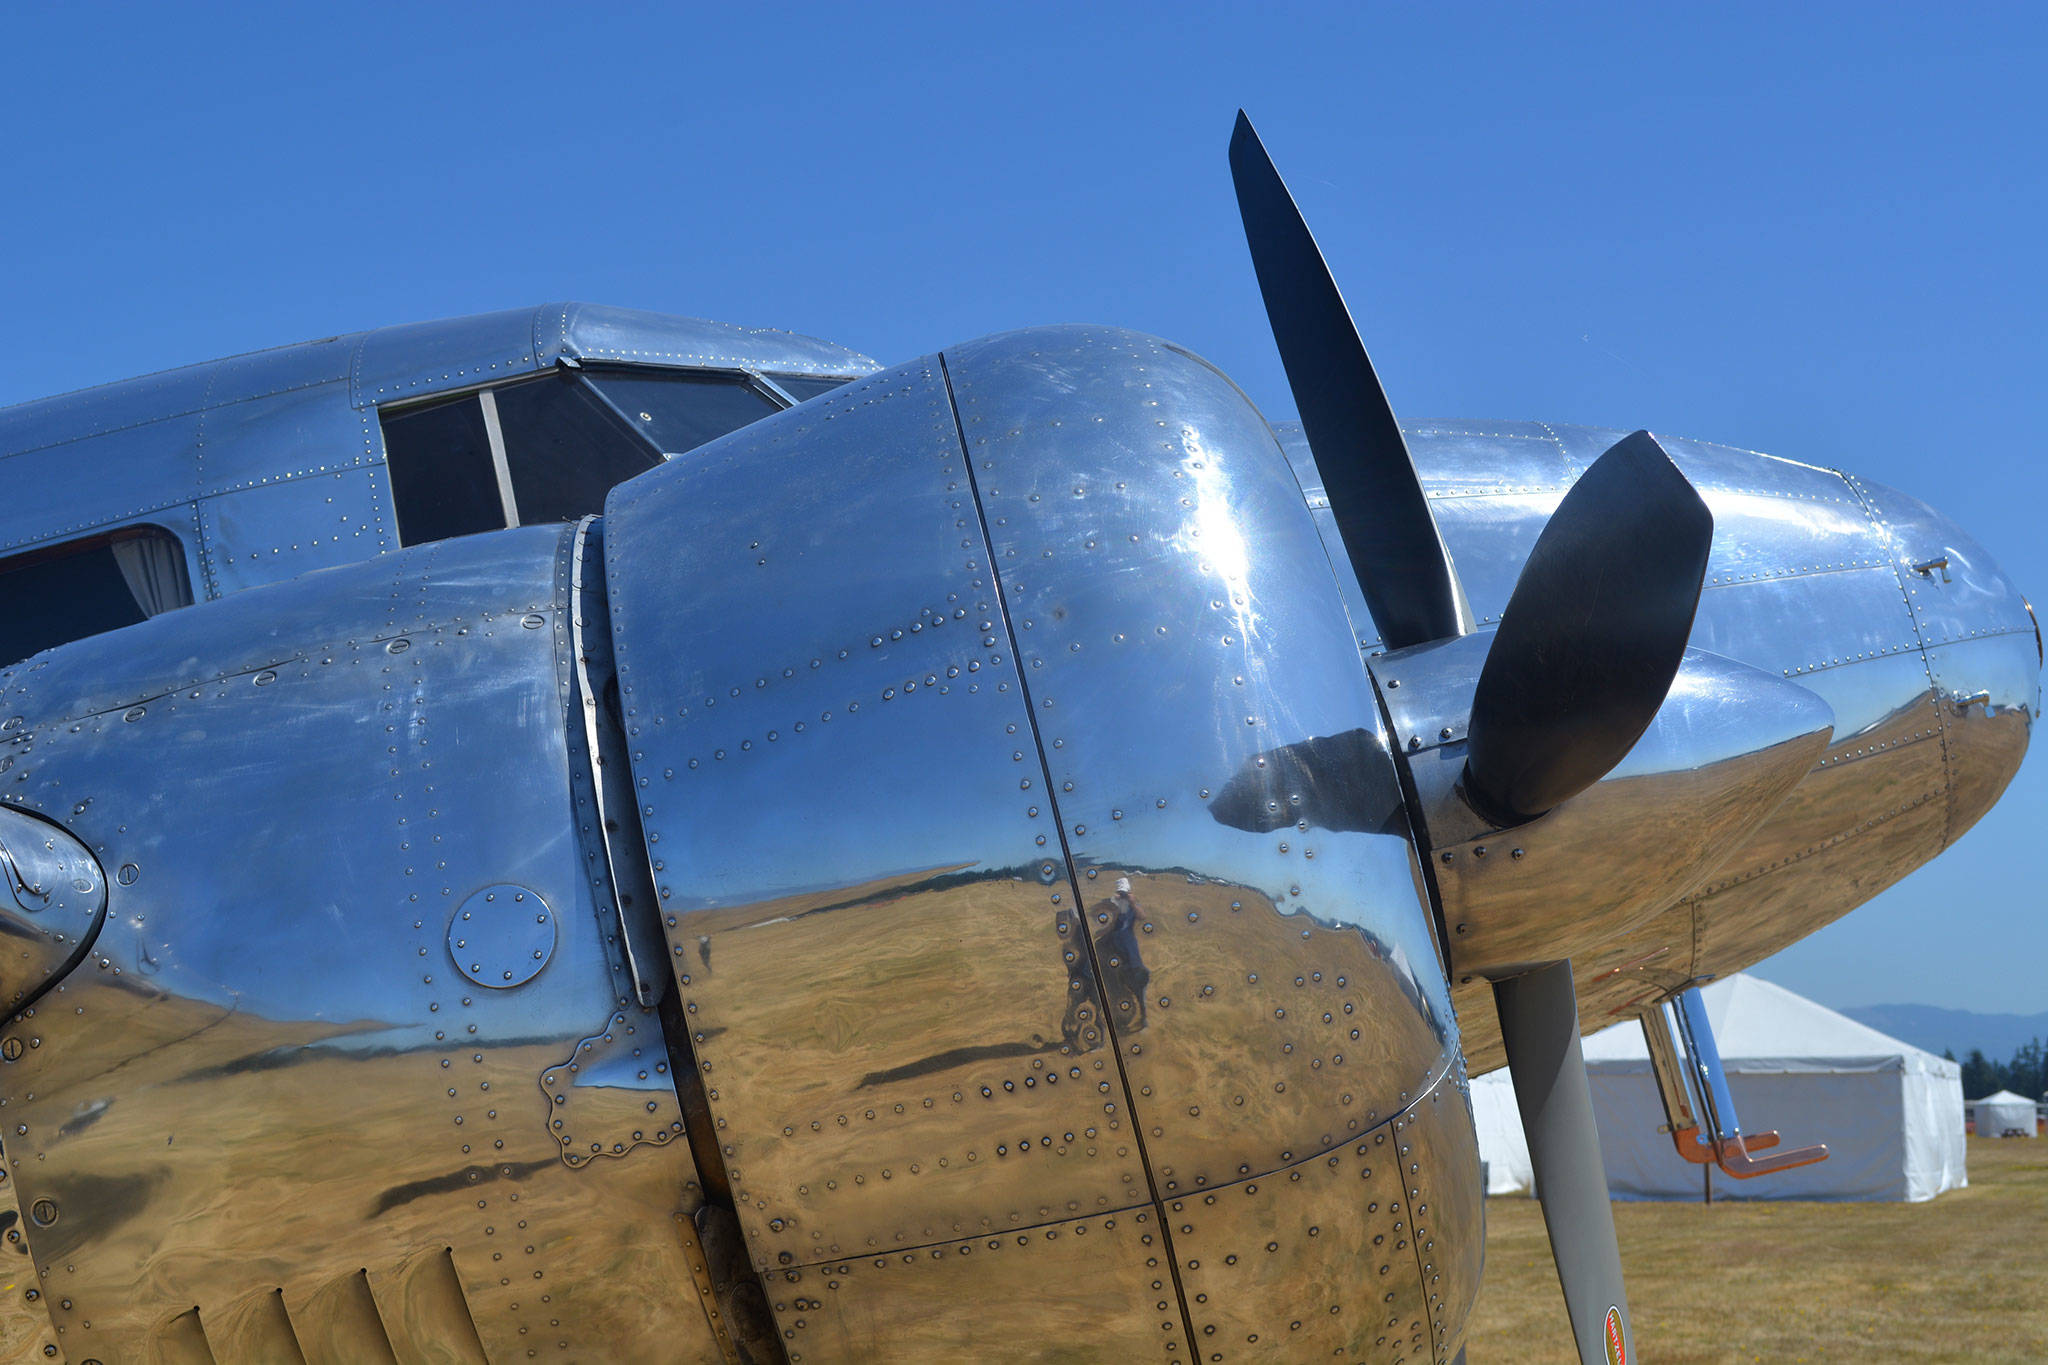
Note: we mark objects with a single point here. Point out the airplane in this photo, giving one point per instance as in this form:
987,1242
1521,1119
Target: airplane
579,834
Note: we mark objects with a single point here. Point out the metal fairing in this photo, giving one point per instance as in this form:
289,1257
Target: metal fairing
931,688
292,1084
1726,746
56,898
26,1332
610,817
1931,671
271,464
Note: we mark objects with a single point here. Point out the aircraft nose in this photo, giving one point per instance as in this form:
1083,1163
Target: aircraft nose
1982,644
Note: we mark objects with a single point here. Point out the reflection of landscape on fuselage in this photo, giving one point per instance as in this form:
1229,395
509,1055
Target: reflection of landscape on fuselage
1816,577
1157,917
271,1109
927,1043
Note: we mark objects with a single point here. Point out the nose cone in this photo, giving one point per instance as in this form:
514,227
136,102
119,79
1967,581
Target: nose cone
1982,646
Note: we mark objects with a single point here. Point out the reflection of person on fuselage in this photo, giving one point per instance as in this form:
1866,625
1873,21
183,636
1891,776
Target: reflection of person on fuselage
1080,1029
1125,975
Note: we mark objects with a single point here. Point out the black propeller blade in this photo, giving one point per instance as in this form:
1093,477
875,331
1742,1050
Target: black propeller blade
1539,1025
1592,635
1403,566
1588,645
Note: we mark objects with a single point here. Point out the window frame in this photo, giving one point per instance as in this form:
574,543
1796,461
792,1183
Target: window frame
588,376
49,552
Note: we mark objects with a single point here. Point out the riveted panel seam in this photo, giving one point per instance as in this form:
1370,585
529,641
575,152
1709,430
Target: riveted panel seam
1066,854
1890,541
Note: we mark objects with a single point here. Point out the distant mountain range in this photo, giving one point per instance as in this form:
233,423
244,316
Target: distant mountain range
1936,1029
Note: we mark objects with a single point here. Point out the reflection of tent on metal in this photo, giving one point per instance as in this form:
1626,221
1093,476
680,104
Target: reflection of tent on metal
2004,1115
1891,1114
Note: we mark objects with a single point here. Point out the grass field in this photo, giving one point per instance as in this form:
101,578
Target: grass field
1962,1278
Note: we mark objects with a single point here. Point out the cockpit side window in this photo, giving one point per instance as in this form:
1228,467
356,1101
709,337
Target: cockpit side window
565,449
549,448
541,450
444,479
55,594
679,412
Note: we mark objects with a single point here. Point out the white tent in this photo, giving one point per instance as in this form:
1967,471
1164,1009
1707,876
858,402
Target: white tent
1891,1114
2004,1115
1501,1144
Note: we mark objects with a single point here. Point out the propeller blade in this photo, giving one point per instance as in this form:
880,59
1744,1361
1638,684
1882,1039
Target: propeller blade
1403,566
1539,1024
1592,635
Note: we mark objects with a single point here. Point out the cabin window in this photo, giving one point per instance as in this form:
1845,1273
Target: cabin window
55,594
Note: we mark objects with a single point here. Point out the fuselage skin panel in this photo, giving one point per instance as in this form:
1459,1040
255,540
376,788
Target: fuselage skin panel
1029,884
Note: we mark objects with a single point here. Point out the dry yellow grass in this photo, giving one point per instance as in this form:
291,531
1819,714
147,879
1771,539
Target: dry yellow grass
1962,1278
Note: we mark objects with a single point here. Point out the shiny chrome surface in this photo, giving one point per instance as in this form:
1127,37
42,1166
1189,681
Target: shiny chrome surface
1813,578
1726,1145
613,823
292,1085
1031,1014
948,886
1975,628
54,898
1156,667
26,1332
271,464
1728,744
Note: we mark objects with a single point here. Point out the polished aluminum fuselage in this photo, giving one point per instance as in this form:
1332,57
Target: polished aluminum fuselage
1924,651
272,464
884,744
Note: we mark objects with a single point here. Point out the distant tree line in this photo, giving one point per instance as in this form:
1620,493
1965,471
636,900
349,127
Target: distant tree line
2026,1074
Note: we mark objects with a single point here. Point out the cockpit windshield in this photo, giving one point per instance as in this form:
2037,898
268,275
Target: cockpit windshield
677,412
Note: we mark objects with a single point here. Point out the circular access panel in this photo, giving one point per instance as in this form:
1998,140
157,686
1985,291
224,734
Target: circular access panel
502,936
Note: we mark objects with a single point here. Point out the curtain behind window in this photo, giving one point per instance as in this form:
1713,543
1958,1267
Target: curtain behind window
153,566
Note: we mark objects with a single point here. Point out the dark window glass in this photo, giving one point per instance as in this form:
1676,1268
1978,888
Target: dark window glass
443,481
53,596
562,447
804,387
565,449
679,412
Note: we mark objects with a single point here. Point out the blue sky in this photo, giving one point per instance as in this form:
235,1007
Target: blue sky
1810,230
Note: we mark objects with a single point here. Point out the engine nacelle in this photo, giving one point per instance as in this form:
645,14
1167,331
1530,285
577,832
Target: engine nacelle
905,809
